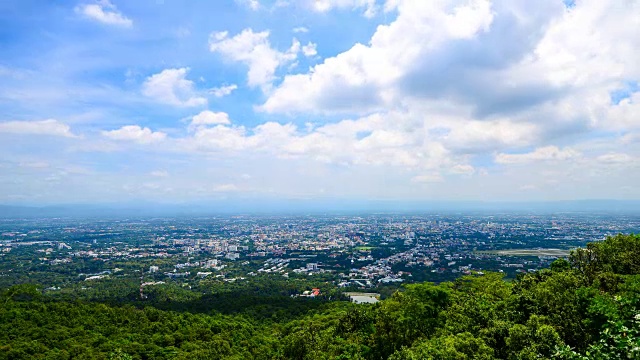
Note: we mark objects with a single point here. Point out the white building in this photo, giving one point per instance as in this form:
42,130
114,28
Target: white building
211,263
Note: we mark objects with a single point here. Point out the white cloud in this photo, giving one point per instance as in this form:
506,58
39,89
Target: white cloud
251,4
226,188
135,133
363,77
591,36
625,114
439,90
434,178
208,117
546,153
327,5
254,50
377,140
223,90
470,86
300,29
528,187
35,165
42,127
310,49
171,87
218,138
268,136
104,12
473,136
159,173
630,138
463,169
339,84
457,57
615,158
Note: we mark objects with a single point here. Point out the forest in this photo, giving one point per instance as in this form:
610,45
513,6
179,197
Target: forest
584,307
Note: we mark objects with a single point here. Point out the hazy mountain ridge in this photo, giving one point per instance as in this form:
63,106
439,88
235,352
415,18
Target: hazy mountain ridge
320,206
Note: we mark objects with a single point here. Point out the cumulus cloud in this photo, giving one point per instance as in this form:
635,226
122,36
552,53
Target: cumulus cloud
538,63
310,49
218,138
135,133
377,140
437,92
625,114
172,88
473,136
463,169
340,84
223,90
475,77
546,153
254,50
251,4
268,136
326,5
361,78
208,117
50,127
105,12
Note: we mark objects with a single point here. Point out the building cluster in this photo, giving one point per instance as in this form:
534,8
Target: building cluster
360,251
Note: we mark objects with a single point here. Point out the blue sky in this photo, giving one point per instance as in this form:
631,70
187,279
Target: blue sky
177,102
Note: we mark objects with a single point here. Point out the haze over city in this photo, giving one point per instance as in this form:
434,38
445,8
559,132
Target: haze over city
163,101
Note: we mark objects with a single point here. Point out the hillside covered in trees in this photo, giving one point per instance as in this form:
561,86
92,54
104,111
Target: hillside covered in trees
586,307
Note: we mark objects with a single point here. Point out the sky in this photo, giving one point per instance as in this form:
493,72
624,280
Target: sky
173,101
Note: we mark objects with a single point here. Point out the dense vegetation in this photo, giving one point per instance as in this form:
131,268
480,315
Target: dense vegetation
585,308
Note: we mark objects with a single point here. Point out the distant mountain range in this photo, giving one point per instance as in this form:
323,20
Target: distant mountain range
324,206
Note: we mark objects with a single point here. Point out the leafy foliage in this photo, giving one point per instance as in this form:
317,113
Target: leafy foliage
585,308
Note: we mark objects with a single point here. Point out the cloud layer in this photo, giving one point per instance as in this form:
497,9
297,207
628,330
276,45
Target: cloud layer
171,87
49,127
387,99
104,12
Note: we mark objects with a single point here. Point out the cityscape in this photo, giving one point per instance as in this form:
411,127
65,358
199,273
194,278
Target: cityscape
319,180
350,253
